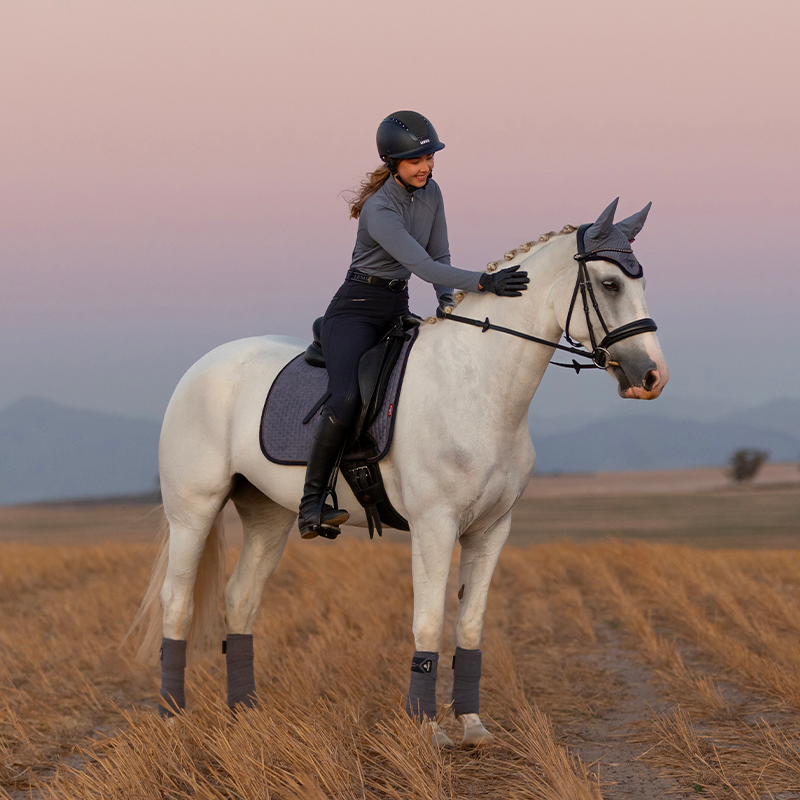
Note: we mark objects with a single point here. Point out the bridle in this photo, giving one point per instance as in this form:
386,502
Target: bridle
599,355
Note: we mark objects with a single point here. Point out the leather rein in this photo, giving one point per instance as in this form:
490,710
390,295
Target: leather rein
599,355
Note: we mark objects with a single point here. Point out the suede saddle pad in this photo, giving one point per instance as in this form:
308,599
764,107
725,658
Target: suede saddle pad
298,388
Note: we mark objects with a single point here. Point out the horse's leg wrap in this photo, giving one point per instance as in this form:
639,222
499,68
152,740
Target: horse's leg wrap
173,667
421,700
241,679
466,682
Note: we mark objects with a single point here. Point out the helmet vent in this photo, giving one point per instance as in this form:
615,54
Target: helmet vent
411,122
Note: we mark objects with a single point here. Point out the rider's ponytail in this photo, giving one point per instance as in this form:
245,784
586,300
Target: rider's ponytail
369,186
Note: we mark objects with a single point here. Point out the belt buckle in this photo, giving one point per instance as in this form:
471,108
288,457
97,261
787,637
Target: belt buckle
396,285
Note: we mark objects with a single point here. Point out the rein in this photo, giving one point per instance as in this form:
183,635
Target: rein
599,355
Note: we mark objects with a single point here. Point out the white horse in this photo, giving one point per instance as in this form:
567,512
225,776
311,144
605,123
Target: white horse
461,454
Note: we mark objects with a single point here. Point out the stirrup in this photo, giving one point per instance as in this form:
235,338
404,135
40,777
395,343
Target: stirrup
318,528
325,531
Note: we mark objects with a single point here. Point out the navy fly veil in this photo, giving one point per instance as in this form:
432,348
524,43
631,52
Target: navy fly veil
611,241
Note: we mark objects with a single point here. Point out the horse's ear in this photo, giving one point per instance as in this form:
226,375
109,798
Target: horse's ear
633,224
601,229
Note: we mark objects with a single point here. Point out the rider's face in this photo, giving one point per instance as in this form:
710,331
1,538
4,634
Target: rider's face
415,171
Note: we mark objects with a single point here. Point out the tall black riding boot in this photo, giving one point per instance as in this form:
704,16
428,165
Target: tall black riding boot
328,440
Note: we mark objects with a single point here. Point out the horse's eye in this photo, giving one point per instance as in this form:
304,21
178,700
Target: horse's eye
611,286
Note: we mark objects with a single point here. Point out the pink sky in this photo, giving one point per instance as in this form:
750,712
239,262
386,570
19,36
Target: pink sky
170,168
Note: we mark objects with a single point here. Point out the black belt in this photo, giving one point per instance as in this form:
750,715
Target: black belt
395,285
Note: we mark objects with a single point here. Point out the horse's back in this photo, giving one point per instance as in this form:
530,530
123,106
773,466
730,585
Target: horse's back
228,384
230,363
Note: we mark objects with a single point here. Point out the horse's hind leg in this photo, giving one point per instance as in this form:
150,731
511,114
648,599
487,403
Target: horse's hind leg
266,528
190,523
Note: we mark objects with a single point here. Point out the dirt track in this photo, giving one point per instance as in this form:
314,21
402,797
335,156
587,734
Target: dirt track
612,669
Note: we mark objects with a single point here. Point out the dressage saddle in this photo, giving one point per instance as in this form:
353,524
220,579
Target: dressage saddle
374,370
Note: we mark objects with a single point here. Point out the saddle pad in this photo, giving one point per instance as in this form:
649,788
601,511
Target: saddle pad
298,387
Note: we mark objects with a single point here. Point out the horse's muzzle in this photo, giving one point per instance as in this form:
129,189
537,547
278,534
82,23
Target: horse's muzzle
640,381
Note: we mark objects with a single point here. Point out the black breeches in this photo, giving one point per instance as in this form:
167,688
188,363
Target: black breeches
354,321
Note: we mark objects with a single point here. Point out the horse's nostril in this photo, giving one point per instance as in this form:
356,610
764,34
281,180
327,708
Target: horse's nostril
651,380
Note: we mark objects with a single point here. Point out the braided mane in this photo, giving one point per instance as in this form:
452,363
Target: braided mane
517,255
524,250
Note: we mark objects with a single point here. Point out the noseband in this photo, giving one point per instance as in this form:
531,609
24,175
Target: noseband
599,355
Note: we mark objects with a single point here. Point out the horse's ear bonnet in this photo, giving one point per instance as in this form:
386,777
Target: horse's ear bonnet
611,242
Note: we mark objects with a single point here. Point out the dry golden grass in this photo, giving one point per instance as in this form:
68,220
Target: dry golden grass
612,669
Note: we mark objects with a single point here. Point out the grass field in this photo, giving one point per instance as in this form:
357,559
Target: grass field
613,667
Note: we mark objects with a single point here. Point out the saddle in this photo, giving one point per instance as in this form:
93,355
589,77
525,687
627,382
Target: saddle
374,370
286,432
359,467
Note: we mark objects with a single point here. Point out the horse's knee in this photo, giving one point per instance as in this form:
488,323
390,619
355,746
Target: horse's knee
469,635
428,633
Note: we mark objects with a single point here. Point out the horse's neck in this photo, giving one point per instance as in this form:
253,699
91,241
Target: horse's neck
506,370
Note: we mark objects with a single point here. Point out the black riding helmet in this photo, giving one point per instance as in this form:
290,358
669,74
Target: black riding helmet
406,134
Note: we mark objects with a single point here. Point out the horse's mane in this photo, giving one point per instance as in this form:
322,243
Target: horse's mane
519,254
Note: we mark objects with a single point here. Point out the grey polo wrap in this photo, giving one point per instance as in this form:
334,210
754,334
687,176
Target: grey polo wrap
173,668
241,678
421,700
466,682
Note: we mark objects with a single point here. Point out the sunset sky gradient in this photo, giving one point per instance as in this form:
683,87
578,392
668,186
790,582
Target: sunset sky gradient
170,173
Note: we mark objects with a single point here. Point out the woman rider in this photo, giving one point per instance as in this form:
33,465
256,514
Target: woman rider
401,230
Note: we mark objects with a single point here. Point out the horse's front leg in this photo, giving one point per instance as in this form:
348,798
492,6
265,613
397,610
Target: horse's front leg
432,540
479,554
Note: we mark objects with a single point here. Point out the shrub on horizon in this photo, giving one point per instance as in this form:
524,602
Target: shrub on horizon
746,463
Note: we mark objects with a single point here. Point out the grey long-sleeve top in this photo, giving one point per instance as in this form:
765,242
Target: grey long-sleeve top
400,233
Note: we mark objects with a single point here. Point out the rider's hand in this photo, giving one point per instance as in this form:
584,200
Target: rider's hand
506,283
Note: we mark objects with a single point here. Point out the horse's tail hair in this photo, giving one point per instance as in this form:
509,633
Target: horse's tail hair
147,622
207,628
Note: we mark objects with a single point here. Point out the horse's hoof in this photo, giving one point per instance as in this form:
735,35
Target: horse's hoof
438,737
475,735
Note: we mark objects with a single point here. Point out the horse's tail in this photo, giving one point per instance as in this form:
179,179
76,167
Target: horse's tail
208,626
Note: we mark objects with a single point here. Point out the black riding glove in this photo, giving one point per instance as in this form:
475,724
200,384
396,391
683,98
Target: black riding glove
506,283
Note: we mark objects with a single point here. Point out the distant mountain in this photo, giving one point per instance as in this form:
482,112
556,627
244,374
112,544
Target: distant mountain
652,442
52,452
782,416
